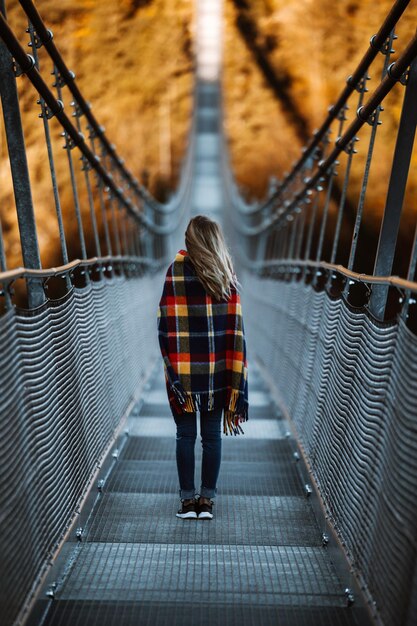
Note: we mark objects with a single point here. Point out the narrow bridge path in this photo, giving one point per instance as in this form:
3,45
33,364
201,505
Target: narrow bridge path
259,561
88,477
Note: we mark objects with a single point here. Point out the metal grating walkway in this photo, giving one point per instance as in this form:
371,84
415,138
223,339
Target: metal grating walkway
260,561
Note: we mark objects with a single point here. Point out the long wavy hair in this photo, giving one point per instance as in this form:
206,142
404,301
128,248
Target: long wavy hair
210,256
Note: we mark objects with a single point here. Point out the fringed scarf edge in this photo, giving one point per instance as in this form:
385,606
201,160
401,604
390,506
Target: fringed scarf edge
235,413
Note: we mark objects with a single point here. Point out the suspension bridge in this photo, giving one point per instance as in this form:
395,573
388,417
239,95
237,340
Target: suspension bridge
315,522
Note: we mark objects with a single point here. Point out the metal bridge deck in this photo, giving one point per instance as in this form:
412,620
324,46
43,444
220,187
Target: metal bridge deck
259,561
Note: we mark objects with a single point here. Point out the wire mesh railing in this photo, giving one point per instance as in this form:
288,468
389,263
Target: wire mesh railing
71,374
331,308
76,353
349,385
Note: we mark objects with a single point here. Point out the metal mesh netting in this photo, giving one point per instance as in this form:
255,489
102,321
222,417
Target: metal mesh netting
69,372
349,384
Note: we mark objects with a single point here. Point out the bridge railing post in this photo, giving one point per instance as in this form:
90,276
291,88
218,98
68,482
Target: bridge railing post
20,172
3,268
396,190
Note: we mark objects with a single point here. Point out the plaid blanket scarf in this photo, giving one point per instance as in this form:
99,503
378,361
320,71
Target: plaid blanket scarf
203,347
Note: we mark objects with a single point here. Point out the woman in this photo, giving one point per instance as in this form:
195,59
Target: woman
202,341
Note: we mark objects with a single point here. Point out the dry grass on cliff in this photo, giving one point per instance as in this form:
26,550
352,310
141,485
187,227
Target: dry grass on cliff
285,63
133,61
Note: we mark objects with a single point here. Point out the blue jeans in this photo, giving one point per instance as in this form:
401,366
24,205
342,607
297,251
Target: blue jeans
210,428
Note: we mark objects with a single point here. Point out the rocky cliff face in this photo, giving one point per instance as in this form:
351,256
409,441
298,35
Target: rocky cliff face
133,61
285,62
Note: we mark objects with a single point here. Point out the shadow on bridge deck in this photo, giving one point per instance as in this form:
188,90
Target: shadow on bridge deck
259,561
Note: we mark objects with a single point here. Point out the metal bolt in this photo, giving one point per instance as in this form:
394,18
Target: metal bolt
50,592
307,490
350,598
79,533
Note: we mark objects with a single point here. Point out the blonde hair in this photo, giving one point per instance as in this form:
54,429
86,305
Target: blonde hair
208,253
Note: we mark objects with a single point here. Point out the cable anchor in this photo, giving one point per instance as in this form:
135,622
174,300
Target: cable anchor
47,111
385,48
403,79
371,119
69,141
19,70
59,79
36,39
341,116
350,147
361,84
77,109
